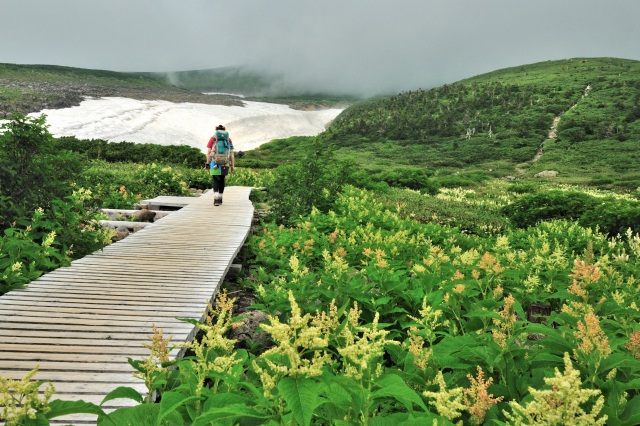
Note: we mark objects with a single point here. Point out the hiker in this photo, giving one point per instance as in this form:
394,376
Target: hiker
220,161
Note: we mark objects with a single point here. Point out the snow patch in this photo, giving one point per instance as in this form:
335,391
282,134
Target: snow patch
167,123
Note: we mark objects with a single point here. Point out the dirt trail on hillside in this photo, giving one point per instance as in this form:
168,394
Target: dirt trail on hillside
553,130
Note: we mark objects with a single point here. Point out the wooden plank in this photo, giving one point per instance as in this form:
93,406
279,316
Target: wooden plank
17,309
44,321
105,295
96,367
71,377
96,335
158,308
133,351
88,303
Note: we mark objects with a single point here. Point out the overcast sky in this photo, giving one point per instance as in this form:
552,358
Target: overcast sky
360,46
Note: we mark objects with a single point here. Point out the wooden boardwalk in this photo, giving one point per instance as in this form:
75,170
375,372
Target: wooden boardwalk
80,323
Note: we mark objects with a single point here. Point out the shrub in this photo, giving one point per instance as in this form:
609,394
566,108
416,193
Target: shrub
539,206
32,173
144,153
311,182
613,217
49,239
462,180
412,178
161,180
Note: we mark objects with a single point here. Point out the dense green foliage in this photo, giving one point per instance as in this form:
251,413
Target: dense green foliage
32,171
45,220
141,153
610,215
313,181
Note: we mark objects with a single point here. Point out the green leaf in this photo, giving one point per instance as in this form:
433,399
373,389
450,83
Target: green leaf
231,412
123,392
631,414
63,408
481,314
171,401
40,420
301,396
221,400
392,386
409,419
141,415
338,396
617,360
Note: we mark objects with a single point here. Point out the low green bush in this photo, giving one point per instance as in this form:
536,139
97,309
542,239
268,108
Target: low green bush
613,217
68,229
32,171
548,205
143,153
313,181
412,178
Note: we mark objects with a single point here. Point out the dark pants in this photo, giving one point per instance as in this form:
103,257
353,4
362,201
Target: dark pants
218,183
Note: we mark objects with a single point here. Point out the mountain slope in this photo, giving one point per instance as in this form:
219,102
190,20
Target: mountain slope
32,88
503,120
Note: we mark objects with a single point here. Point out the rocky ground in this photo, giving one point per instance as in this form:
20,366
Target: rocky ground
29,97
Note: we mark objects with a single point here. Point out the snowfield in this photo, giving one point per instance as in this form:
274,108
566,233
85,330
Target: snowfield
167,123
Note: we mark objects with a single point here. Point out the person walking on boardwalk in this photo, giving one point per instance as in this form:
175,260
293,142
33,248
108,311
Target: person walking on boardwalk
220,161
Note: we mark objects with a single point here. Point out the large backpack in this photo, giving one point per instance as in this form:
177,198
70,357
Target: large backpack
222,157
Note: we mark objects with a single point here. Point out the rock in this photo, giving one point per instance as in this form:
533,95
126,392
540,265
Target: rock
248,332
510,178
120,235
122,228
145,215
546,174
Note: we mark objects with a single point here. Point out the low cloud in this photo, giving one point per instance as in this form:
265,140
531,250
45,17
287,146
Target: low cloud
362,47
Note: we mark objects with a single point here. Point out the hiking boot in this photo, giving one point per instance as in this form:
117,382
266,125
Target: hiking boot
220,200
217,202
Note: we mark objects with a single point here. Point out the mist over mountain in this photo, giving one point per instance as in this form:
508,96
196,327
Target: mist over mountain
360,47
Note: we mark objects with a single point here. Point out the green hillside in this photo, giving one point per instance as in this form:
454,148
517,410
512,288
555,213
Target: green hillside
501,120
32,88
227,79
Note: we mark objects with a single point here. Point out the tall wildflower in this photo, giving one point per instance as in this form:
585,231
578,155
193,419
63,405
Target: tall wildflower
416,347
447,402
591,337
214,352
560,405
436,258
492,269
150,369
477,398
297,271
633,345
300,348
20,399
362,346
505,324
428,321
334,264
584,273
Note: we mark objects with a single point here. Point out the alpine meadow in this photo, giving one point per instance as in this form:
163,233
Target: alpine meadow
464,254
